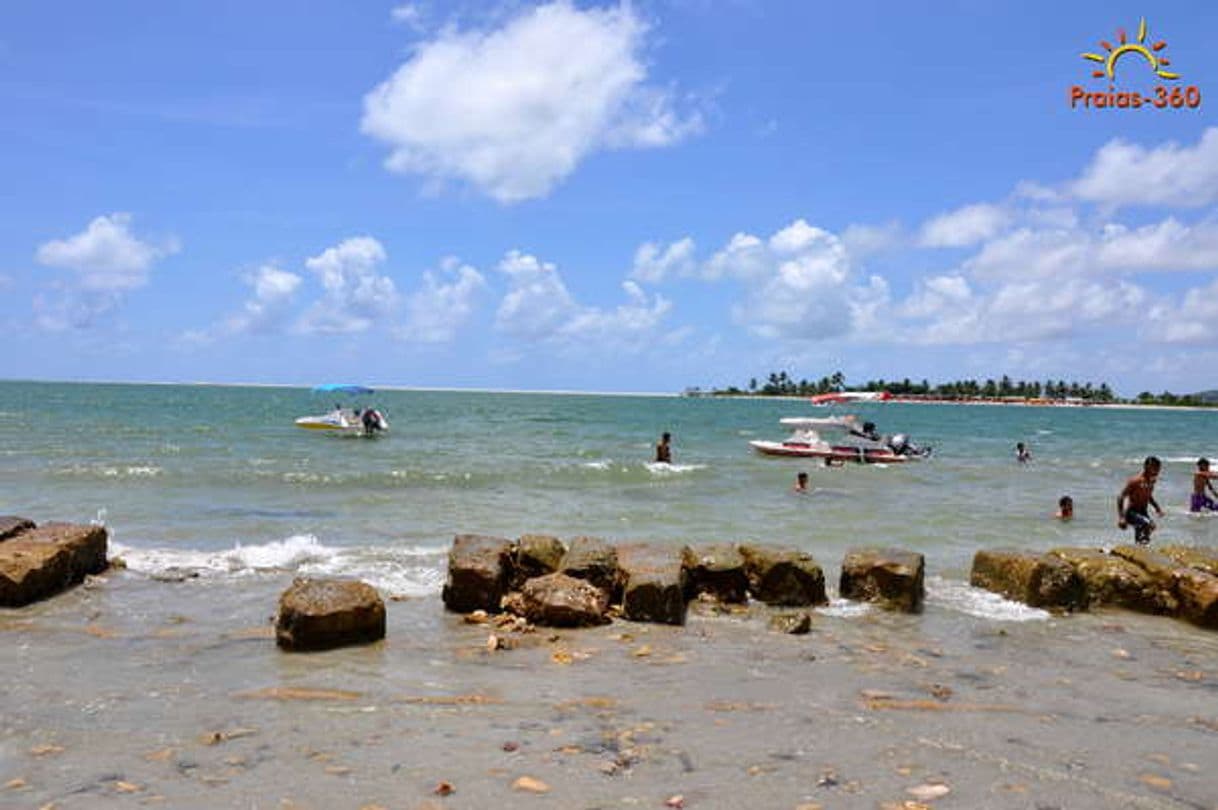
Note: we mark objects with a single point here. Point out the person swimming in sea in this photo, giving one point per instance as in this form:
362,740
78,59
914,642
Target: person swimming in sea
664,449
1203,480
1065,508
1022,454
801,484
1135,500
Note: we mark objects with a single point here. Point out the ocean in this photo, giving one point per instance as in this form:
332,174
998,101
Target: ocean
215,500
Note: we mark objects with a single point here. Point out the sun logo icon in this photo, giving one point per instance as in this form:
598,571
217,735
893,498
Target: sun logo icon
1124,47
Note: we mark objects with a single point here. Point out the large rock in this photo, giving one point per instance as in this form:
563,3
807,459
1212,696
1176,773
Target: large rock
653,583
478,568
1038,580
320,614
1117,582
43,561
592,559
535,555
1194,590
558,600
783,576
892,578
718,570
11,525
1201,558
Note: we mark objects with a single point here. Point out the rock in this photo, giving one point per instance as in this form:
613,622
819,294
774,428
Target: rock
43,561
478,568
11,525
718,570
320,614
653,583
535,555
1038,580
894,578
783,576
1116,582
1197,595
796,624
559,600
1203,559
592,559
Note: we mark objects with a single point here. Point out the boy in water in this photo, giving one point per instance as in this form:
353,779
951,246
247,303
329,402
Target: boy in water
801,484
1135,500
1203,479
664,449
1065,508
1022,454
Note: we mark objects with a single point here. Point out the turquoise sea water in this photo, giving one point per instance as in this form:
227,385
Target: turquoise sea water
218,481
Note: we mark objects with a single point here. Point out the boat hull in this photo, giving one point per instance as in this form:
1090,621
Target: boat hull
862,455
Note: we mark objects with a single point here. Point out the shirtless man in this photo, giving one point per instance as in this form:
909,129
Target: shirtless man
664,449
1135,500
1203,479
801,484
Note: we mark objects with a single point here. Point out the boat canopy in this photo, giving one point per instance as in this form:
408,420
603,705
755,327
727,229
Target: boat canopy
341,388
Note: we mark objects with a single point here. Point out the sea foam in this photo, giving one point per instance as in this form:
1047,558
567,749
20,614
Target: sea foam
964,598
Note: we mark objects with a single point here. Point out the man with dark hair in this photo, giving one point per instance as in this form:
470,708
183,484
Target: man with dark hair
1203,479
664,449
1135,500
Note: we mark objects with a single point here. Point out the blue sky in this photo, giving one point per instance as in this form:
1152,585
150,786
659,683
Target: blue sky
631,197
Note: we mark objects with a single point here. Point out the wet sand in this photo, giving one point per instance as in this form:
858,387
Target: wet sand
131,693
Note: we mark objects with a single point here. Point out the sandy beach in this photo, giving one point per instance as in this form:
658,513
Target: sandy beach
135,693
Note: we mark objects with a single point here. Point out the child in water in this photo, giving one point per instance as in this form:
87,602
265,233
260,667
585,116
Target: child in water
1135,500
801,484
1203,479
1065,508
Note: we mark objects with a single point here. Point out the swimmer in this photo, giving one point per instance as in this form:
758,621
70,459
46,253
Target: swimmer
1203,480
1065,508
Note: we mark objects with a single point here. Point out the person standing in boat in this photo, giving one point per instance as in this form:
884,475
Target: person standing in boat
664,449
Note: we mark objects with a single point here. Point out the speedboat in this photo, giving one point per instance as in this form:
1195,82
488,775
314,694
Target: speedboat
841,397
343,420
850,442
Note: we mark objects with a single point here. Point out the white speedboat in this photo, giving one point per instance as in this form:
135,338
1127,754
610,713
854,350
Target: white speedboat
346,421
850,441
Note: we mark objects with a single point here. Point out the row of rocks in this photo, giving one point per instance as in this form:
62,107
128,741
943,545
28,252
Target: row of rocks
557,584
1179,581
40,561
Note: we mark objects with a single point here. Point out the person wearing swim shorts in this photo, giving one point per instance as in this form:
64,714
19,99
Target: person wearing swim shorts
1203,480
1135,500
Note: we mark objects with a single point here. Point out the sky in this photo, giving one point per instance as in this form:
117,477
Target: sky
636,196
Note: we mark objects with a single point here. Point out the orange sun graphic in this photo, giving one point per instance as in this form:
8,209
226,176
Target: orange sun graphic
1147,52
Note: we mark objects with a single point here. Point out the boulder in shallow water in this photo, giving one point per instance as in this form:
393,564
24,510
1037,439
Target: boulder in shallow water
1037,580
478,568
653,583
892,578
11,525
559,600
42,561
320,614
1194,590
780,575
1116,582
535,555
592,559
717,570
795,624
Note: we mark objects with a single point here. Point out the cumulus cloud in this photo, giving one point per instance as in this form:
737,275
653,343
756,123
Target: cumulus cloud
108,262
865,240
1124,173
106,255
445,302
1193,320
273,291
514,110
355,294
965,226
654,263
538,307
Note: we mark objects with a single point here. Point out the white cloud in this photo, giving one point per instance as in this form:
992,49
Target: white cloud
1193,320
355,294
410,14
965,226
443,304
273,292
539,308
105,255
654,263
1123,173
744,257
866,240
108,261
513,111
1166,245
